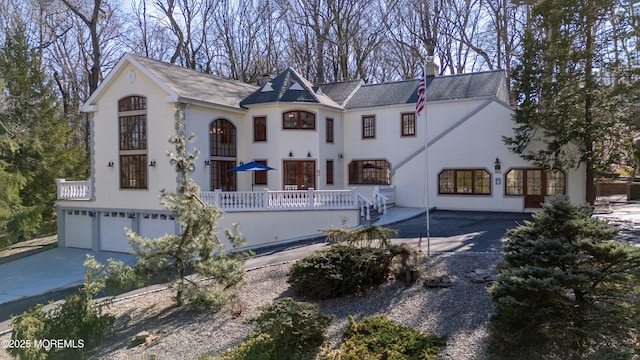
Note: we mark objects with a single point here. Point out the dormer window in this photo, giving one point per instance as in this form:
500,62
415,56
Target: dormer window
299,119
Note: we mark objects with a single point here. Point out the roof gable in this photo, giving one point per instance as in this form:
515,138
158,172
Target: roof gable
180,84
288,86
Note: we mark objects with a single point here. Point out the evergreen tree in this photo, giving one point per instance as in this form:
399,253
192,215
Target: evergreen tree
196,248
567,291
568,89
34,136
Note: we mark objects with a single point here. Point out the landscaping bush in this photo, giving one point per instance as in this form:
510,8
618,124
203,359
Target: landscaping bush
567,290
285,330
378,337
340,270
78,321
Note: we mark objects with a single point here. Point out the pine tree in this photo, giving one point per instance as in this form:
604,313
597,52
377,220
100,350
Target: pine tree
34,136
195,249
567,291
569,91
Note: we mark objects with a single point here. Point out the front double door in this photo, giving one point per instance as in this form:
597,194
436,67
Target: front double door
299,174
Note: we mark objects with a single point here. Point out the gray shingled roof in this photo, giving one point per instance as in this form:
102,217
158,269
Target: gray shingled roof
451,87
197,86
288,86
340,92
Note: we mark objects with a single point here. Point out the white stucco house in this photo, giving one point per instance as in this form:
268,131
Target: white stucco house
339,150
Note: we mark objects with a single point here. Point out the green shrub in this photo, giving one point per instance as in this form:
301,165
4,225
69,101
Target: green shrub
293,324
340,270
259,347
377,337
567,290
77,320
285,330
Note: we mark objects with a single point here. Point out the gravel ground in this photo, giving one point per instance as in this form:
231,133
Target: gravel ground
460,311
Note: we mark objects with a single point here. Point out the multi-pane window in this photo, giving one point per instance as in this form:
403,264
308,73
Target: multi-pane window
132,134
221,177
329,130
260,177
260,128
368,126
222,138
329,172
514,182
376,172
464,181
133,171
555,182
299,119
408,124
132,103
520,182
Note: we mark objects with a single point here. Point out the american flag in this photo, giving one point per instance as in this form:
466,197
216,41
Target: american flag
421,95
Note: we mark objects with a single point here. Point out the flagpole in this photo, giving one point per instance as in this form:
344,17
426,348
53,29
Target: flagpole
426,164
420,109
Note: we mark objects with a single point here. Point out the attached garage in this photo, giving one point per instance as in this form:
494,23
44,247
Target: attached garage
156,225
79,228
112,231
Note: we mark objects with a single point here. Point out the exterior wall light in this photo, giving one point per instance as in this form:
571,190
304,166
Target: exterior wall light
309,154
152,163
110,164
207,163
290,153
497,165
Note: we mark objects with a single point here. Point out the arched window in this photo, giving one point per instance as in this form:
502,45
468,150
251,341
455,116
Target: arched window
222,135
222,155
299,119
132,126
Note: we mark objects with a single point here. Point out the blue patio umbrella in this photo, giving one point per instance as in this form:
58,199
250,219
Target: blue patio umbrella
251,166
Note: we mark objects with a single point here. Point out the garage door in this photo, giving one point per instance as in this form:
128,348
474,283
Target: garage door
156,225
112,225
77,228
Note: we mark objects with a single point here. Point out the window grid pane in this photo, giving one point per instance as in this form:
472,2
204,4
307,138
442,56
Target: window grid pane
222,138
133,171
260,177
464,182
133,132
368,126
515,182
446,181
299,120
329,130
555,182
481,182
329,172
408,124
260,128
132,103
370,172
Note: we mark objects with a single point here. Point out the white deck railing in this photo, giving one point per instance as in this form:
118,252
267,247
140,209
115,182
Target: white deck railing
251,200
383,196
281,199
74,190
